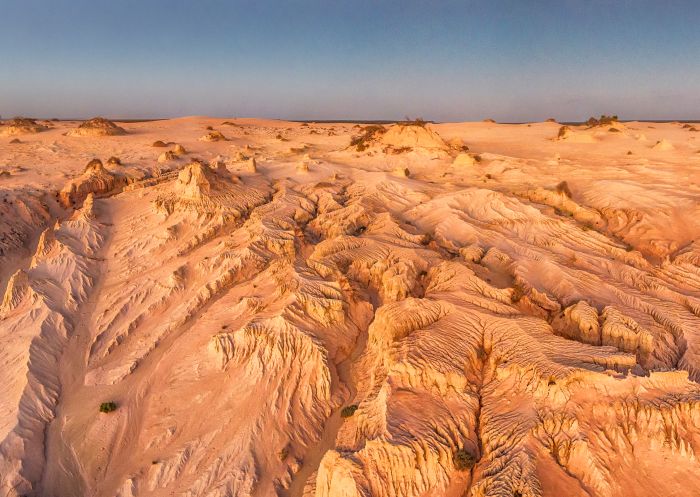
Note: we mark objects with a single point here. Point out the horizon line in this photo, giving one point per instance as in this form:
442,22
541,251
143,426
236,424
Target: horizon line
342,121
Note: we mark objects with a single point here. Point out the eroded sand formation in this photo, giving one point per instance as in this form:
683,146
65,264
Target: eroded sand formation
449,310
21,126
97,126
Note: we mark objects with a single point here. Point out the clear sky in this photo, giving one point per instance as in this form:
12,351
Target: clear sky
512,60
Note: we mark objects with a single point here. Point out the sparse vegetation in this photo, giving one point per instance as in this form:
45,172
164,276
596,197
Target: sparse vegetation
284,453
108,407
563,187
419,121
603,120
464,460
368,134
21,121
562,131
348,411
159,143
399,150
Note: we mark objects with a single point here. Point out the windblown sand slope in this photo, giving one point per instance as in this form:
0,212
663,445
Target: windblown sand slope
467,309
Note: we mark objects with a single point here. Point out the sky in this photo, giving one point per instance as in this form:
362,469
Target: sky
510,60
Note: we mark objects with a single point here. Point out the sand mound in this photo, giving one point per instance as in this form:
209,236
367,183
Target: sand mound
401,136
21,126
97,126
569,134
167,157
213,136
197,180
304,164
251,165
663,145
463,160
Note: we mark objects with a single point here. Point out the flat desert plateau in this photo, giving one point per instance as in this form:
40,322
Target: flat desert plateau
245,307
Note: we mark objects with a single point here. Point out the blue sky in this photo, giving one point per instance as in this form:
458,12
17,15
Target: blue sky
513,60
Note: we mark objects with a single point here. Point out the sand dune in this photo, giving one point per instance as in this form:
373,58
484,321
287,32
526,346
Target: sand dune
331,310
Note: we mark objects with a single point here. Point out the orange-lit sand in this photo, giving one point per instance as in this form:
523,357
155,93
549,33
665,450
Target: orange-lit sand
520,300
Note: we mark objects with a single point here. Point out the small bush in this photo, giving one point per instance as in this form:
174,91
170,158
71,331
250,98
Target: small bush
283,454
464,460
348,411
108,407
400,150
602,121
159,143
368,134
419,121
563,187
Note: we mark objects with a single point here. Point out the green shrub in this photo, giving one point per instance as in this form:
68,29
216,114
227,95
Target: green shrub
108,407
348,411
